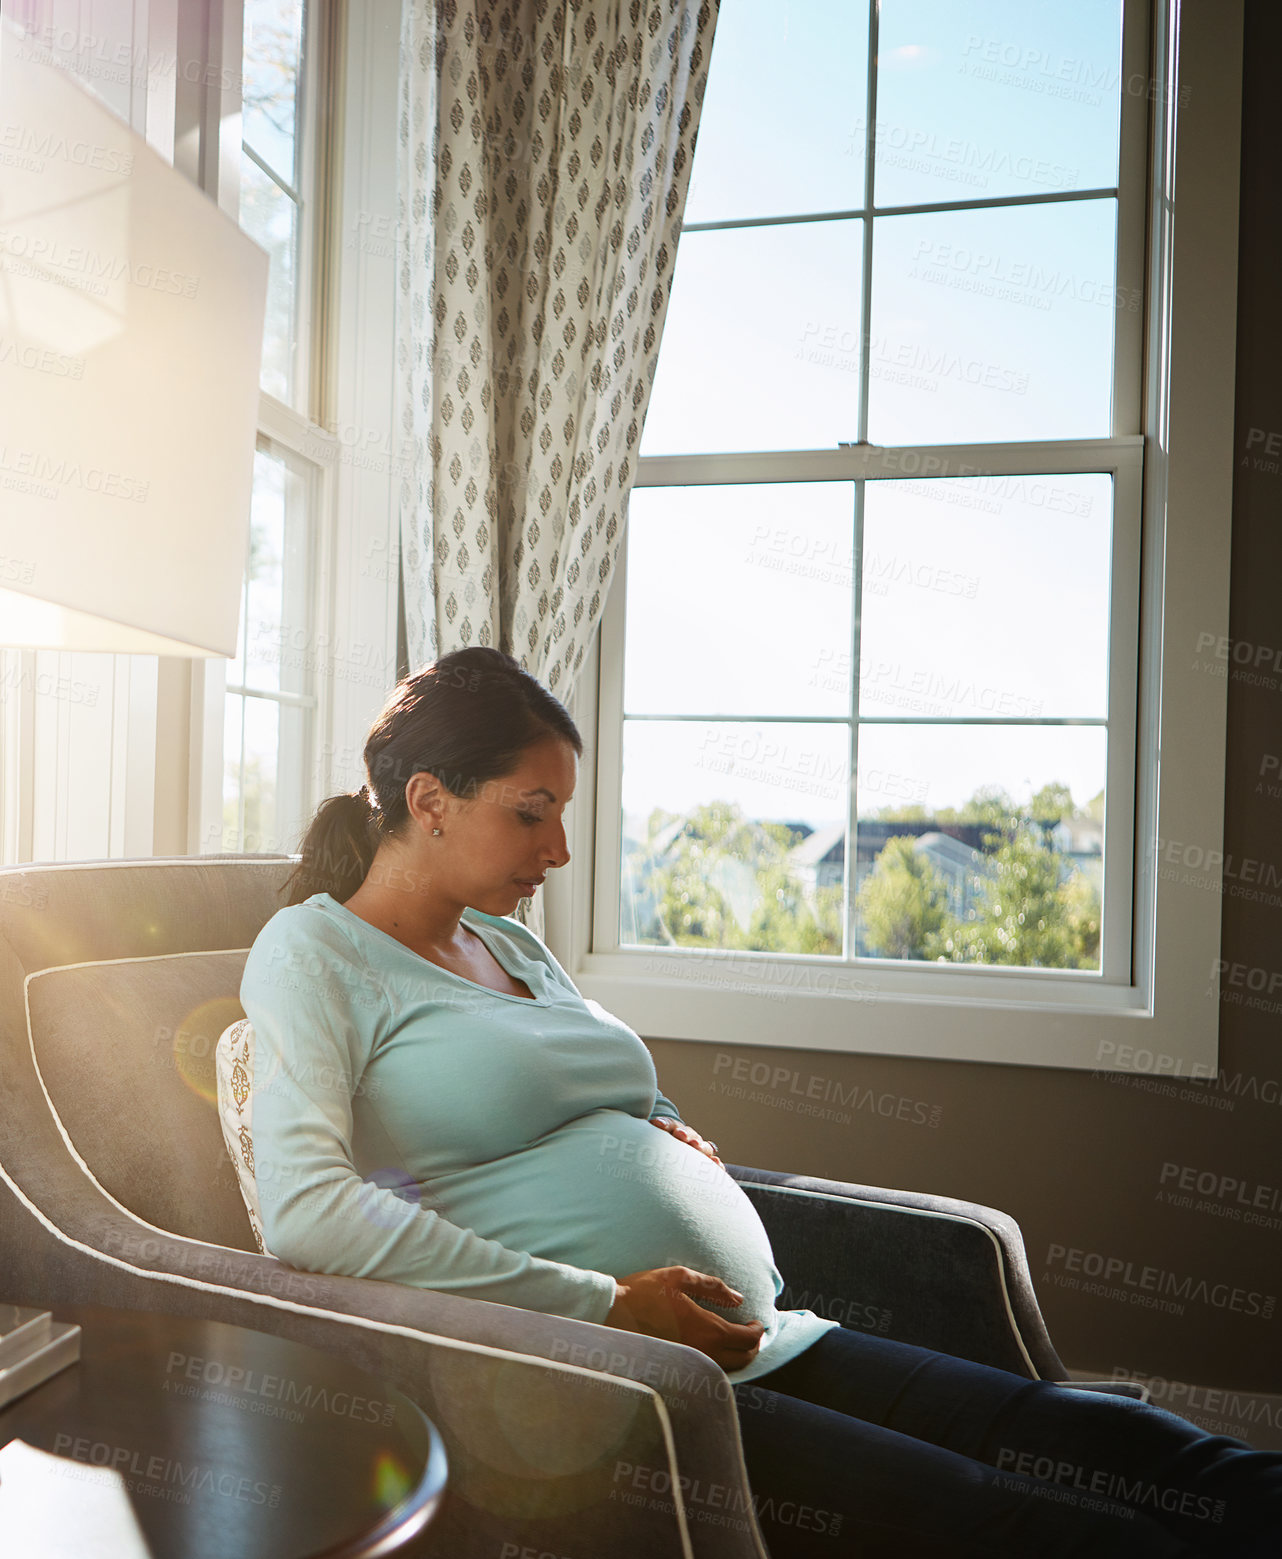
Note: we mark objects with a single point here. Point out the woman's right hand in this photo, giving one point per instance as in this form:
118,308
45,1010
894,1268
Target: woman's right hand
658,1304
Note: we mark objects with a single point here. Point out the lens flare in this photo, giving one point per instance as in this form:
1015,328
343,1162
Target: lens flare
192,1044
392,1481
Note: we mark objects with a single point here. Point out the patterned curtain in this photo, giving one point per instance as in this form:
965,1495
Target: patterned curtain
545,152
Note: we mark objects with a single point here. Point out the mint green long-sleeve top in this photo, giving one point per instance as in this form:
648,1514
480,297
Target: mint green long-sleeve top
414,1126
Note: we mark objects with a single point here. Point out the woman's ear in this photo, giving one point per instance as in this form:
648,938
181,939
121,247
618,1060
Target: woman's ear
425,801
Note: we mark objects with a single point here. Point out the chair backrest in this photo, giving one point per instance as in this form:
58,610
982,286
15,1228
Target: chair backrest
116,979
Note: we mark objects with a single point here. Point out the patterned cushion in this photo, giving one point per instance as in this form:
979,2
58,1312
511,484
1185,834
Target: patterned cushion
234,1067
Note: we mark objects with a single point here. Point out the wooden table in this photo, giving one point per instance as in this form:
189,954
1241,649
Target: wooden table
235,1444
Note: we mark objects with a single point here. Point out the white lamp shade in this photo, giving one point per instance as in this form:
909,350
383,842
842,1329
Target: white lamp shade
131,328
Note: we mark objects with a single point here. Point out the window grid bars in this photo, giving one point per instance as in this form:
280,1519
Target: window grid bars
266,168
848,942
1045,455
923,208
284,432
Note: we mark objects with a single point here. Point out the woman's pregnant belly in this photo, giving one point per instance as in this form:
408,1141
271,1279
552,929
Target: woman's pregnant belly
612,1192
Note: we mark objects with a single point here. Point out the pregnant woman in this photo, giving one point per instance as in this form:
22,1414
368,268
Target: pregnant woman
456,1116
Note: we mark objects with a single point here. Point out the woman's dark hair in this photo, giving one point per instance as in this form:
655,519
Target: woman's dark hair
466,719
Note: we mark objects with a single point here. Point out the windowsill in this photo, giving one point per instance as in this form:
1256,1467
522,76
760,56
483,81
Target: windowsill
1108,1028
775,976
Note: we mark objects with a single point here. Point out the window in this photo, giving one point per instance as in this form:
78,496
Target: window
284,104
278,120
943,638
270,699
872,688
317,654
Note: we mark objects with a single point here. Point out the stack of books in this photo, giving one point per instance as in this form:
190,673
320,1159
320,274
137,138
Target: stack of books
33,1346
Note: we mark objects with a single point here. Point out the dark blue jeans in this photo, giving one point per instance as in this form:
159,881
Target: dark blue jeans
870,1447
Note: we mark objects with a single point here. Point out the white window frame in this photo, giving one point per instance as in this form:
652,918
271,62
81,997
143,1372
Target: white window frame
1162,1015
285,432
173,72
346,436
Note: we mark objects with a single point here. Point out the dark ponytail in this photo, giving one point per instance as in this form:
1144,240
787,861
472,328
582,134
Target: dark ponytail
466,719
337,849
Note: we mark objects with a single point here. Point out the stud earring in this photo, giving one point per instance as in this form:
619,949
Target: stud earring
436,831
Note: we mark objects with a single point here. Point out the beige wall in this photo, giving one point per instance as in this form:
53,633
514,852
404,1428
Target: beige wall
1078,1159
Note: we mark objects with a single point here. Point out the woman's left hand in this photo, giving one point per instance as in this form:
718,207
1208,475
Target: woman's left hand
686,1134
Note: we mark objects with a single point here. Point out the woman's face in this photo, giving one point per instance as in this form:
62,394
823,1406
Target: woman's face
495,849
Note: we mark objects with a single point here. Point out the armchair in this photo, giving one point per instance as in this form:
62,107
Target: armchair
116,979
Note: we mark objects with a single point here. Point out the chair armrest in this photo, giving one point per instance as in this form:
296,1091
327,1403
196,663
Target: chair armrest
1113,1388
931,1270
561,1435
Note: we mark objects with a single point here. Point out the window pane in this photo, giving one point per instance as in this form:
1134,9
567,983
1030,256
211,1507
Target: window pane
994,325
999,834
269,216
986,597
996,97
761,345
265,806
279,652
233,747
777,134
262,759
273,57
760,581
981,599
236,666
728,830
266,552
265,801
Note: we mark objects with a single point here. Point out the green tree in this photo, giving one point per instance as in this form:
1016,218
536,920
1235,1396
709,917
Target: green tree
705,873
910,812
992,805
903,904
1021,914
691,908
825,932
785,920
989,804
1082,898
724,881
659,819
1052,803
